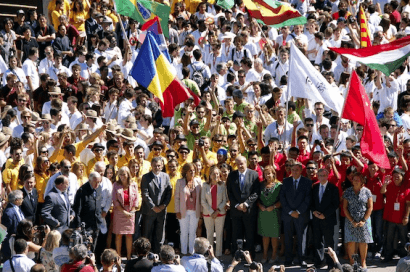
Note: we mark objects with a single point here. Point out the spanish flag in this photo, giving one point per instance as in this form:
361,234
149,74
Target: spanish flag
364,30
153,71
274,13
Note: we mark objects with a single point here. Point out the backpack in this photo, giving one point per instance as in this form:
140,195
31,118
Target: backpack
197,75
235,49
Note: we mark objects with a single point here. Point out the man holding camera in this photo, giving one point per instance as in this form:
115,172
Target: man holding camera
170,261
87,206
142,248
199,261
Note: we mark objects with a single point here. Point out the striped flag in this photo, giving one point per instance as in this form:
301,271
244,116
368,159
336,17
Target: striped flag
385,57
274,13
153,71
364,30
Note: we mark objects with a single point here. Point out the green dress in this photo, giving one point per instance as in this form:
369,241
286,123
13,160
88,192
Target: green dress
268,222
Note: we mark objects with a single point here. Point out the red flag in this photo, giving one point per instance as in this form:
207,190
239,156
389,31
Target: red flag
358,109
197,100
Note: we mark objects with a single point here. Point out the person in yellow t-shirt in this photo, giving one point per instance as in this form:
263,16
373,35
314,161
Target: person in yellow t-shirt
183,156
157,151
129,154
202,151
41,175
52,6
78,16
145,166
78,168
55,14
98,150
171,225
11,171
233,153
112,157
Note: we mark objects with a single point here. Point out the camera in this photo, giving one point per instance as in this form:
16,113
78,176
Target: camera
252,266
356,266
201,142
326,250
239,254
351,19
81,237
152,257
40,228
318,142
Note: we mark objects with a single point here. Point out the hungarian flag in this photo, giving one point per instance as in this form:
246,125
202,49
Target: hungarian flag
274,13
364,30
358,109
385,58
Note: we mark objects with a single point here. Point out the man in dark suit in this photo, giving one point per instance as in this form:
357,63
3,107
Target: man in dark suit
30,198
156,194
141,247
57,212
325,201
88,206
243,191
12,215
295,197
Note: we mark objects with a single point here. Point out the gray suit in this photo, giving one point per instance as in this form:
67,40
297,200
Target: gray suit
55,211
154,194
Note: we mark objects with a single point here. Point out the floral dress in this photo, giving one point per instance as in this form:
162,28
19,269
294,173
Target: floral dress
48,261
357,207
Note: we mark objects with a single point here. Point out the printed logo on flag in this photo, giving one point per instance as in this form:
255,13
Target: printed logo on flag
145,13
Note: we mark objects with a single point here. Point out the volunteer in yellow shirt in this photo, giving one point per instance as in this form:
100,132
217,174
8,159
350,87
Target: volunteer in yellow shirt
98,150
171,225
129,154
40,173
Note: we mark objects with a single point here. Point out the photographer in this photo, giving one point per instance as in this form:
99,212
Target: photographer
169,262
236,261
141,247
109,259
198,262
80,261
404,263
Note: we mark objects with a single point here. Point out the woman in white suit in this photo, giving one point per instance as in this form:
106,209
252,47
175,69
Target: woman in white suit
213,200
188,206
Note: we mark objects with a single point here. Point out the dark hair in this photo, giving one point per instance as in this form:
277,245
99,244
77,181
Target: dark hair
142,246
24,230
70,149
59,180
20,246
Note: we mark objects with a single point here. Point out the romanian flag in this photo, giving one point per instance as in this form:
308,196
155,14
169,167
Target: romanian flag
364,30
153,71
144,10
274,13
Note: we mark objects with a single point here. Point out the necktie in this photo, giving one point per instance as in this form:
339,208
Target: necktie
241,180
322,189
295,182
31,198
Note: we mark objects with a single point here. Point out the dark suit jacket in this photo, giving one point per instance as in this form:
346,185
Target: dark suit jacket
87,208
329,203
249,195
55,211
299,200
10,220
153,196
29,208
140,264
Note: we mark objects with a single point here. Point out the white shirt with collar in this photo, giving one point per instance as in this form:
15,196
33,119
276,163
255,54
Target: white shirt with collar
21,263
324,187
18,211
44,65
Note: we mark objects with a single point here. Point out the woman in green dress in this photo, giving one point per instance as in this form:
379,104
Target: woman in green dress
268,219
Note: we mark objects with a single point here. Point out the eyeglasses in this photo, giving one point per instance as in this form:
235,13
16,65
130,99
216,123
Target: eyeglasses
183,152
46,151
157,149
252,144
318,109
310,168
218,141
98,150
214,115
233,150
55,96
359,129
241,76
17,154
309,125
171,156
67,167
288,165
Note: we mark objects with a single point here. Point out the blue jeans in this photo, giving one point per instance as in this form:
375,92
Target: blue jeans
377,227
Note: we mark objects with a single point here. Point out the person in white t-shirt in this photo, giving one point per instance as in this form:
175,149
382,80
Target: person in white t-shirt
48,61
297,37
31,71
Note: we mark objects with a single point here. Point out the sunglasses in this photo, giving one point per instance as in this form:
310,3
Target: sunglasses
98,150
171,156
67,167
218,141
157,149
310,168
183,152
252,144
309,125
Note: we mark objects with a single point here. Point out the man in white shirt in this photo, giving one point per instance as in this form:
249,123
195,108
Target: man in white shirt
239,51
249,45
31,71
200,32
55,94
90,66
202,14
80,60
297,37
106,188
344,66
75,116
278,130
20,262
57,68
14,69
281,66
48,61
26,119
126,107
251,74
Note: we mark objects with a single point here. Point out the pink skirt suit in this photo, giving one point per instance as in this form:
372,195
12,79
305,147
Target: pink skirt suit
127,199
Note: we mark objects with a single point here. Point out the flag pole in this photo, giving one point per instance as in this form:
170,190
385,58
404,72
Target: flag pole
340,116
122,26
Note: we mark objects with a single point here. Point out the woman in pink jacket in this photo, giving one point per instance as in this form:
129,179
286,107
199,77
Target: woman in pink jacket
188,206
125,199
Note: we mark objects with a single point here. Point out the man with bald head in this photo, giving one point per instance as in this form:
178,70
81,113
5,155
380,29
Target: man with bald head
243,191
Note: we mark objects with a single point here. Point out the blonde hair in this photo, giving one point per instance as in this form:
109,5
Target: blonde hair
77,166
212,170
126,170
53,240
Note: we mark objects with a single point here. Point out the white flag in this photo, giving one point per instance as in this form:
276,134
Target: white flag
307,82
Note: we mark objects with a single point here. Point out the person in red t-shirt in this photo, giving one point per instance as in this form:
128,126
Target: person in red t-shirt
375,180
330,166
253,164
396,212
79,258
311,171
304,155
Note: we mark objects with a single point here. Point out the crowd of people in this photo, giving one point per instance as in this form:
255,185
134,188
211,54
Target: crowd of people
85,150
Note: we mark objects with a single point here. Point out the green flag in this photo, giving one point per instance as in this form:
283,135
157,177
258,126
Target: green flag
226,4
144,10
